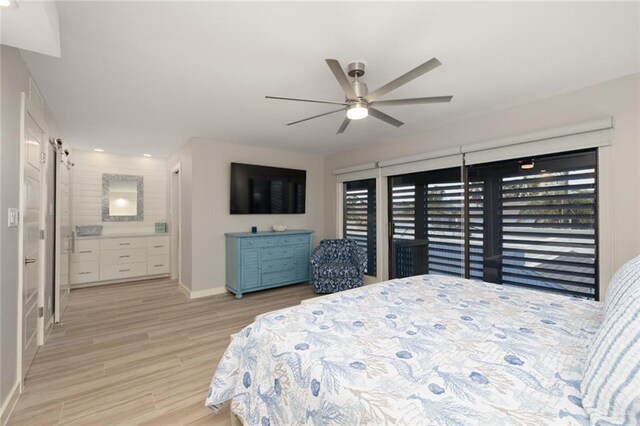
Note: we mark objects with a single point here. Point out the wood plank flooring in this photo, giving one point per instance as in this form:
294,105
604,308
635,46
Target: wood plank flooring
138,354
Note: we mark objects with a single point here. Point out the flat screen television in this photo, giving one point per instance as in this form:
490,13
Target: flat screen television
267,190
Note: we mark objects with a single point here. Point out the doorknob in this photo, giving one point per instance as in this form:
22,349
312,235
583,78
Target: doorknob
28,261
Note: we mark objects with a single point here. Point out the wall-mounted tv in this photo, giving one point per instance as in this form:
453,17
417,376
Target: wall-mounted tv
267,190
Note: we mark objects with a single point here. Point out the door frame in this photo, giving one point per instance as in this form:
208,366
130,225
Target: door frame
27,109
176,169
59,238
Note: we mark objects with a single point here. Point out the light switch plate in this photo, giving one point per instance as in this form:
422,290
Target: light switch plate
14,217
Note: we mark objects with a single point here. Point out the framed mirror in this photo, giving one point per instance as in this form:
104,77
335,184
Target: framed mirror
122,198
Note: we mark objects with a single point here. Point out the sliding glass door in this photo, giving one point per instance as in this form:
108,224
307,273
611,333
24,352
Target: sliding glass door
528,222
540,222
359,218
426,223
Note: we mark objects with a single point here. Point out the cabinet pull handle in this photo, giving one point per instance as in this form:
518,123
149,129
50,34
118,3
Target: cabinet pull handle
125,244
158,246
123,270
124,256
85,251
155,266
83,273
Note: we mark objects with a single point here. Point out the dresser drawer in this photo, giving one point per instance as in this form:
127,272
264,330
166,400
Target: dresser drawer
116,257
84,272
158,264
86,250
286,240
120,243
277,265
275,253
127,270
270,278
258,242
157,245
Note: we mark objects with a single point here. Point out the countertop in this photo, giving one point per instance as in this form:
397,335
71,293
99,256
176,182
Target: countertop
268,233
106,236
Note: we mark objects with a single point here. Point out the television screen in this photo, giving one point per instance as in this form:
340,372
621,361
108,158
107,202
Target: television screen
267,190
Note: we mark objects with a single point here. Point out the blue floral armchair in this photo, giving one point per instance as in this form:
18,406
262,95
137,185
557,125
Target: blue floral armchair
337,265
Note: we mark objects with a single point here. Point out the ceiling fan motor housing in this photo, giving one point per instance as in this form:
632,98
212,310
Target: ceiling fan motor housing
355,70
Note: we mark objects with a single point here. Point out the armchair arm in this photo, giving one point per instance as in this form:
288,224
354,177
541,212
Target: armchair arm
318,258
360,259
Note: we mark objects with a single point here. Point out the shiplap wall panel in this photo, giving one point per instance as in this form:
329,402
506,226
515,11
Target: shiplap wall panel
87,189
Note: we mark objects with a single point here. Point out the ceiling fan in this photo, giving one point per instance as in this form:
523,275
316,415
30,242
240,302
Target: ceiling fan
359,103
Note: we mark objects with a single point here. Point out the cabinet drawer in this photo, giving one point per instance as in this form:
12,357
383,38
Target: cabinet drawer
119,243
157,245
115,257
275,253
286,240
270,278
84,272
158,264
277,265
128,270
86,250
258,242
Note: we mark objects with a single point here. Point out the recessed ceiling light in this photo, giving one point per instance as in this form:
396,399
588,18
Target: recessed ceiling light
527,165
98,150
147,155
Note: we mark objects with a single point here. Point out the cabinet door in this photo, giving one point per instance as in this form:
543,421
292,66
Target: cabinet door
301,262
250,272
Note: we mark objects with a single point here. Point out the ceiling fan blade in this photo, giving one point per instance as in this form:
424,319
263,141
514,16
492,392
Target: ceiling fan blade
414,101
384,117
338,72
315,101
343,126
315,116
403,79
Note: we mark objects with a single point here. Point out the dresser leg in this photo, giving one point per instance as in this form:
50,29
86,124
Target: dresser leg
238,295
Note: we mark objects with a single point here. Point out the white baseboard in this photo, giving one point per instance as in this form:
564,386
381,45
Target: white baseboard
9,404
200,293
184,290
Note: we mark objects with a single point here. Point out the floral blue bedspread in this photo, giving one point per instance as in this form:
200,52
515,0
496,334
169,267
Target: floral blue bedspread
422,350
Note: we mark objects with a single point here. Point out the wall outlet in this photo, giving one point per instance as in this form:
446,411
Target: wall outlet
13,217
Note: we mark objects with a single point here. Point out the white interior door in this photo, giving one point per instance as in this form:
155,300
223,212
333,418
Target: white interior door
33,140
64,236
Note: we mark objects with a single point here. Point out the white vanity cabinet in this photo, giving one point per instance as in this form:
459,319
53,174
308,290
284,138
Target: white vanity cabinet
119,258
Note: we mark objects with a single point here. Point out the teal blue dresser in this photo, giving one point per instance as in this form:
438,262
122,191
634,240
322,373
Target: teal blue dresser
267,259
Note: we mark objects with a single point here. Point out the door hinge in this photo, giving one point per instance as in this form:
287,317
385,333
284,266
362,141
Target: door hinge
40,311
41,234
43,157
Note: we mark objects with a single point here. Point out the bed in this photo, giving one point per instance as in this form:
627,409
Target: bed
421,350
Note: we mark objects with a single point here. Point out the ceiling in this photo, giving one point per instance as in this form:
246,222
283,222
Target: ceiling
144,77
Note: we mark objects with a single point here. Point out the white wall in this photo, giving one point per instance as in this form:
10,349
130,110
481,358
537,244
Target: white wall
14,80
86,199
619,178
209,207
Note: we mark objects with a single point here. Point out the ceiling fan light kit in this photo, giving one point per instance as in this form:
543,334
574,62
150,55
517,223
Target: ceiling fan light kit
357,111
359,102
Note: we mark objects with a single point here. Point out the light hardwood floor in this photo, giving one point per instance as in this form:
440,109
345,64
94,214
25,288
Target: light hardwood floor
138,353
